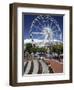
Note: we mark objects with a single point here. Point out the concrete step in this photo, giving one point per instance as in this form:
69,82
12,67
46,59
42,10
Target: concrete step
36,67
45,68
28,67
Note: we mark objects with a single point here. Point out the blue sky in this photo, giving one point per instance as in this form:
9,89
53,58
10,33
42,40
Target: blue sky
28,19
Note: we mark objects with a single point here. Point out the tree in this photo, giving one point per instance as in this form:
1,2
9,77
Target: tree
41,50
34,49
58,48
28,47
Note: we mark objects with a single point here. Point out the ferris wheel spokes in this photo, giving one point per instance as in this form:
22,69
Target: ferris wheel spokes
46,27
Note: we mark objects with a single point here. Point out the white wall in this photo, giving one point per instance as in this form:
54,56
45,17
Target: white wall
4,46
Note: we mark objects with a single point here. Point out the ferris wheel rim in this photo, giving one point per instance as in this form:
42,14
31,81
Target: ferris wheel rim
41,17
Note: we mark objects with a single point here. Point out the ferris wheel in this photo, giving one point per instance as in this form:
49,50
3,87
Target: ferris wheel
46,28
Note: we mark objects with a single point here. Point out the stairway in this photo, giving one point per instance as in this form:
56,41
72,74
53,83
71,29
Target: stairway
36,67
